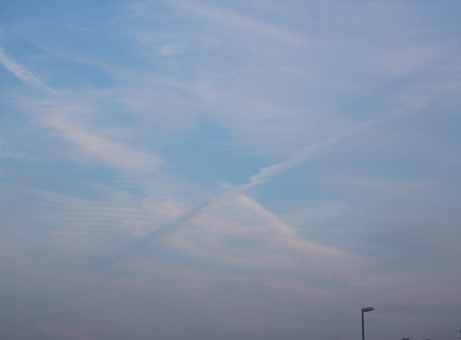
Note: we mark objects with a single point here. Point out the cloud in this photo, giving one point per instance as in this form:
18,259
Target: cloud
223,215
22,73
102,149
97,226
239,216
93,146
302,156
239,22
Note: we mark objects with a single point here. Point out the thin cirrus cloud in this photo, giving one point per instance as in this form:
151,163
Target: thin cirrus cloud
65,121
19,71
115,154
102,149
239,22
120,157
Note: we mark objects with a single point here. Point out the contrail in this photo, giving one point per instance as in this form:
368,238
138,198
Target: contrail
263,176
302,156
267,173
141,244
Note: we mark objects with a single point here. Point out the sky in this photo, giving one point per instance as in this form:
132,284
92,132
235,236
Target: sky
235,170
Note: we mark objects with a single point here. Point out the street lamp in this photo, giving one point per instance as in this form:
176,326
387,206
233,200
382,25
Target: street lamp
368,309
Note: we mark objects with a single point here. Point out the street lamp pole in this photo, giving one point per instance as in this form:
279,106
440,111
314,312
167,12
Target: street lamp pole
368,309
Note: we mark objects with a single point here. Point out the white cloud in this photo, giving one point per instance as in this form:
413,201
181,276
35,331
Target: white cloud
239,216
22,73
302,156
238,22
101,149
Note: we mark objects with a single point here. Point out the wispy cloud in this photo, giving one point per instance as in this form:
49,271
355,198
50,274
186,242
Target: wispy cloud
66,120
243,217
216,216
239,22
22,73
101,149
267,173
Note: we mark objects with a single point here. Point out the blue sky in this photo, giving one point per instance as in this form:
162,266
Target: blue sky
179,169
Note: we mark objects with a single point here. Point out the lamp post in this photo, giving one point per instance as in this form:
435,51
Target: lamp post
368,309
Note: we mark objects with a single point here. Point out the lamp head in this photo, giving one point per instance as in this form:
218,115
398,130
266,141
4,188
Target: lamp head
368,309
